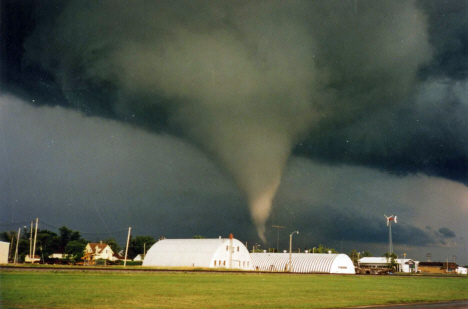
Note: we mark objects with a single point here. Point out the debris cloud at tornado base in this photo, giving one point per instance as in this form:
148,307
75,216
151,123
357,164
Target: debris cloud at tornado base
245,81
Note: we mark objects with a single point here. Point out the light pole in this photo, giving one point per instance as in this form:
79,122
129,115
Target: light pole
290,248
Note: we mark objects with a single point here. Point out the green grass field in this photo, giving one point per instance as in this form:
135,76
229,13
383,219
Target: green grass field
54,289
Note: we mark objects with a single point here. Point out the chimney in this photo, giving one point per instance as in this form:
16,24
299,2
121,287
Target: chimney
100,242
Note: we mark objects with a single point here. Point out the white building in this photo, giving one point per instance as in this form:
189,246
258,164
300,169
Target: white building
303,263
99,251
32,259
4,252
402,265
139,258
59,256
213,253
462,270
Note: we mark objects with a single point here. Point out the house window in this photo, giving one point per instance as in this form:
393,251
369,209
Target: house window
227,248
215,263
239,264
237,248
243,263
224,263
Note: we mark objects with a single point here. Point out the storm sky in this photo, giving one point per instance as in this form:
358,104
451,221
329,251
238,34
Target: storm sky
182,118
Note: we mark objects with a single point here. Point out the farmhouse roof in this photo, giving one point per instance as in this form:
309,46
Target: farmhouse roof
118,256
99,245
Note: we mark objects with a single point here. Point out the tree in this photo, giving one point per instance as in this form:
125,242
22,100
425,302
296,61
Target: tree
113,244
322,249
65,234
75,248
198,237
47,243
391,259
354,256
139,244
75,235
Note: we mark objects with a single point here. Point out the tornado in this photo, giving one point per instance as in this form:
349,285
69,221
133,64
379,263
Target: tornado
245,81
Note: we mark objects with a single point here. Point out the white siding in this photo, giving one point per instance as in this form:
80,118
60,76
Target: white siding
4,251
303,262
198,253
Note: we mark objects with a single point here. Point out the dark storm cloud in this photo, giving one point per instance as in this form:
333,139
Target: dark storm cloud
448,28
427,136
331,225
446,232
247,81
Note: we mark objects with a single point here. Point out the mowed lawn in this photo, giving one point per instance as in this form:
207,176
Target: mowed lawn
53,289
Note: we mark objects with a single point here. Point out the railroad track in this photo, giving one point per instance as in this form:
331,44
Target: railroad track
152,270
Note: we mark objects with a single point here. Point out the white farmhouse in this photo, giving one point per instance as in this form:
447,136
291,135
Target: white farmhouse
212,253
99,251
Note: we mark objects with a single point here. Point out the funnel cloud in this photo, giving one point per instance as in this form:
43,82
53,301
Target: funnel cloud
245,81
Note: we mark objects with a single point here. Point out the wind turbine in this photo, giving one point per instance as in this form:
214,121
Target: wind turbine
389,224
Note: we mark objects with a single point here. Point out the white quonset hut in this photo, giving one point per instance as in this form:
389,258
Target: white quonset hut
214,253
303,263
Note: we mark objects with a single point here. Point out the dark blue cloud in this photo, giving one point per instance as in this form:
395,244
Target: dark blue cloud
446,232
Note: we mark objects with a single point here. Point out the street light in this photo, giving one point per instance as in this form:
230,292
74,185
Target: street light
290,248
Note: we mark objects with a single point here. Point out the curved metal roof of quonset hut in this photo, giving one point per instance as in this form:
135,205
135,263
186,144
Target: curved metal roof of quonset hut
198,253
303,262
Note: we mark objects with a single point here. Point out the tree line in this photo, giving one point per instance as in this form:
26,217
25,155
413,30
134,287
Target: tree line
67,242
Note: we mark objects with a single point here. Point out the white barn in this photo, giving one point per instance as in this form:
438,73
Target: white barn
303,263
212,253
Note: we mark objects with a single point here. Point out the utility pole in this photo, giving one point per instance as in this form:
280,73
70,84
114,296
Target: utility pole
126,248
17,242
277,239
30,240
35,238
290,249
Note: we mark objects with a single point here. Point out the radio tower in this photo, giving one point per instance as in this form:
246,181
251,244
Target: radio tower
389,224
